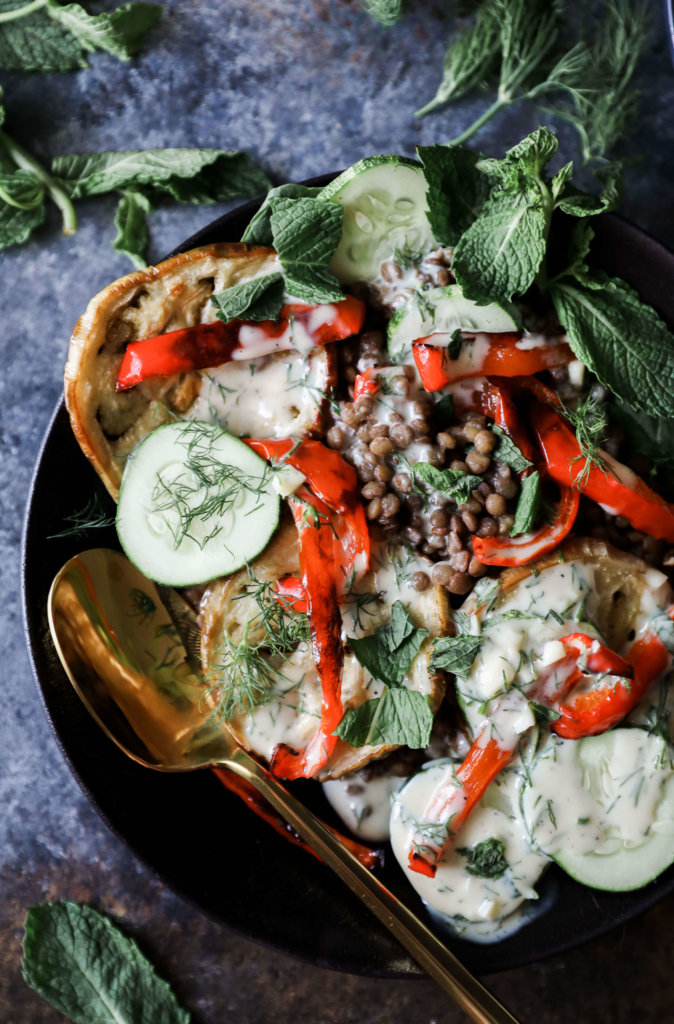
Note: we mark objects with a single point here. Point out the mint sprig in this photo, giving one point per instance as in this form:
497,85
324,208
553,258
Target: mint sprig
259,299
306,232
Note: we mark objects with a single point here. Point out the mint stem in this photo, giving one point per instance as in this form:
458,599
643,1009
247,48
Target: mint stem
27,162
497,105
21,12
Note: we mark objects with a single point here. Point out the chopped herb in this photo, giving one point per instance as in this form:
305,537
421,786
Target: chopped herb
94,516
486,859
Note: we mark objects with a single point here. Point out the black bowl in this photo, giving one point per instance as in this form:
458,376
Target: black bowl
202,841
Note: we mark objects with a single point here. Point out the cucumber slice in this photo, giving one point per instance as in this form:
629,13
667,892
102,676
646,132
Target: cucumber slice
603,807
384,200
444,309
195,503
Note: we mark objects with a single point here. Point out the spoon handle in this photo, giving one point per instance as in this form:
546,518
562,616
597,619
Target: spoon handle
465,989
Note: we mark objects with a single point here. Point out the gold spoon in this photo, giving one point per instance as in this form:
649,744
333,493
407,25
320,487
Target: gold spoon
126,660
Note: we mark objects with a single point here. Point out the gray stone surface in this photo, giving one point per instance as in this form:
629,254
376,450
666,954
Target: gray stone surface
305,87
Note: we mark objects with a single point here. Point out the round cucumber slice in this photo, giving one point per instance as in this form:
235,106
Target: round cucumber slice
603,807
195,503
384,200
444,309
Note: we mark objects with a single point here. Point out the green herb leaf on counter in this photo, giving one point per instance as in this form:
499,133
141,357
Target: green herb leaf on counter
486,859
620,339
84,966
457,485
528,505
259,230
456,654
507,451
389,652
306,233
259,299
43,35
386,12
19,213
456,190
132,229
399,717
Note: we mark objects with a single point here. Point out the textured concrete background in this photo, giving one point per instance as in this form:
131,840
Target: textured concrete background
305,87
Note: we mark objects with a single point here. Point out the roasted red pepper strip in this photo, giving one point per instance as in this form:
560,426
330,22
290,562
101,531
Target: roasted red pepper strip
503,357
493,397
616,488
335,482
520,550
208,345
454,802
258,805
290,594
364,384
595,711
325,622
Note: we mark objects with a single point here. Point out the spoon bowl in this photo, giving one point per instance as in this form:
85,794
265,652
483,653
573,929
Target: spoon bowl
124,654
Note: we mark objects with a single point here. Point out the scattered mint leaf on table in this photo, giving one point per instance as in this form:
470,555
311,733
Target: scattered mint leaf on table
386,12
399,717
259,299
306,233
528,505
84,966
132,229
17,225
457,191
456,653
119,32
259,230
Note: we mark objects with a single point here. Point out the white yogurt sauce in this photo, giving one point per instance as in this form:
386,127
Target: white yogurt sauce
364,805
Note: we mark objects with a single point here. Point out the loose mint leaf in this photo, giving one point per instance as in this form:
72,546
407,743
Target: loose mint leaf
543,714
457,191
259,231
471,59
620,339
16,225
386,12
500,254
132,230
507,451
459,486
78,961
189,175
581,204
306,232
560,181
20,189
399,717
647,435
389,652
259,299
34,42
486,859
528,505
455,653
119,32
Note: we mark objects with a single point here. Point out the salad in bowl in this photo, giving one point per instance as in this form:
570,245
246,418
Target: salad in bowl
402,450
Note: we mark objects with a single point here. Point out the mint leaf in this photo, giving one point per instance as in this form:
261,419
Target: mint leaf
528,505
523,166
306,233
647,435
456,653
131,224
486,859
459,486
386,12
259,231
34,42
620,339
457,191
259,299
469,61
542,713
389,652
78,961
500,254
189,175
16,224
399,717
507,451
119,32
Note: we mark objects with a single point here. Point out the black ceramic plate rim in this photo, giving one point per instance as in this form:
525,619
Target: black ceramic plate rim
376,954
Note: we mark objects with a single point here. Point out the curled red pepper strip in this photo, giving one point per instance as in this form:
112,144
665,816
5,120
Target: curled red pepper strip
325,623
615,487
453,803
290,594
595,711
506,551
504,357
335,482
209,345
364,384
258,805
